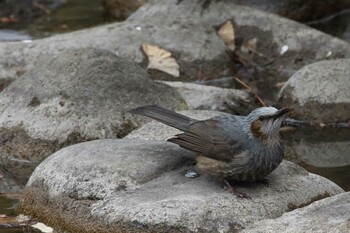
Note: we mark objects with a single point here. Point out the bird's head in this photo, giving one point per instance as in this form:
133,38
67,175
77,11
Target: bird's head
264,123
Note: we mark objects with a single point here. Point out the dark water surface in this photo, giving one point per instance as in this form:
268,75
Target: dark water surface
72,16
7,207
323,151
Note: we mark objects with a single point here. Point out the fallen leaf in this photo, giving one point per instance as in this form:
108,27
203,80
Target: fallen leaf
4,219
227,34
10,19
160,59
42,227
245,50
249,46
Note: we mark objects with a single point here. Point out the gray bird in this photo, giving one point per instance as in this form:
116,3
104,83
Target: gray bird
241,148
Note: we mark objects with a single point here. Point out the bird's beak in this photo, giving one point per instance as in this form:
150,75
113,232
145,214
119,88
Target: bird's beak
281,112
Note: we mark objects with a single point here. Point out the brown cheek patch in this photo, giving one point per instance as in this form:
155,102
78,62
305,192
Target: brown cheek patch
255,128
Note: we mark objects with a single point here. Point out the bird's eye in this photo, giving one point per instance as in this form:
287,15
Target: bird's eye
261,118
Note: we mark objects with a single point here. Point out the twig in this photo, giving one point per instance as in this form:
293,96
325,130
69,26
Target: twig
250,90
328,18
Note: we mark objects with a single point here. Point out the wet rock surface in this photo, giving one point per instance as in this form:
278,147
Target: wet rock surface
139,186
77,96
319,92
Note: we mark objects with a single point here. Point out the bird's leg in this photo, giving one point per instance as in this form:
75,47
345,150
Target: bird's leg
265,182
235,192
192,172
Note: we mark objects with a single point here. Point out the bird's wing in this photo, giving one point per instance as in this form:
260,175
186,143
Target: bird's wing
218,138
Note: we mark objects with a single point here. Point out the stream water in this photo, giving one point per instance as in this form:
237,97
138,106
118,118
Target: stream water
323,151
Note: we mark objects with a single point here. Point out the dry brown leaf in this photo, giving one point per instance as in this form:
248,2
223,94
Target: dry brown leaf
10,19
227,34
245,51
4,219
160,59
249,46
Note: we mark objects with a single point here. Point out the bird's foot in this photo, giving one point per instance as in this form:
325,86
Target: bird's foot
265,182
192,174
235,192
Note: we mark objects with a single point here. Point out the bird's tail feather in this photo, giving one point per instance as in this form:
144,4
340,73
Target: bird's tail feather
165,116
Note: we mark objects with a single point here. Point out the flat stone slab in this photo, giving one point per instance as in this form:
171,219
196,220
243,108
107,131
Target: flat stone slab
327,215
139,186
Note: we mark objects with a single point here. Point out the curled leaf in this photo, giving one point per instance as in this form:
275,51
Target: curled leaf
161,59
227,34
245,50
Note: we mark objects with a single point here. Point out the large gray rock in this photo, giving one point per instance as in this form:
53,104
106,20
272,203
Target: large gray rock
76,96
139,186
201,97
188,30
327,215
319,92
